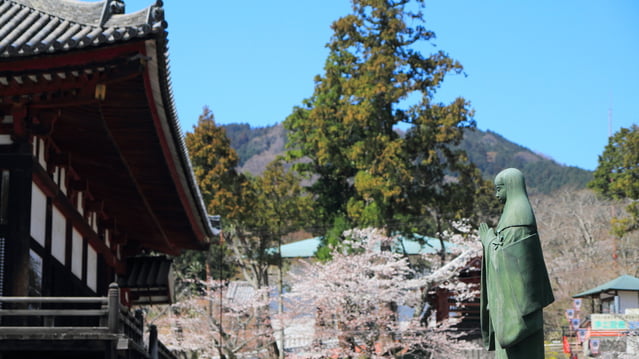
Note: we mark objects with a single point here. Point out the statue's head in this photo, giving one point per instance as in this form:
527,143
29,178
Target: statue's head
511,189
510,183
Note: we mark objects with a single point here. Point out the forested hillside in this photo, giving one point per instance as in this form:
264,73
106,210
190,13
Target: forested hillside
256,147
491,152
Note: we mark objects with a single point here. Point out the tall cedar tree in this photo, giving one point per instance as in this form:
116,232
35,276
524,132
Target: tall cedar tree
617,176
375,81
214,163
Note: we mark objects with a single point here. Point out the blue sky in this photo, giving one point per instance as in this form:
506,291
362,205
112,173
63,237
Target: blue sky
542,73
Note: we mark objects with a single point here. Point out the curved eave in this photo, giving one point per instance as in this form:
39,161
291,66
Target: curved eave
41,35
163,110
128,143
622,283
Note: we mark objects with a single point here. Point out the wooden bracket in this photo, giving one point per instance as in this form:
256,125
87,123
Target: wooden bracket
19,113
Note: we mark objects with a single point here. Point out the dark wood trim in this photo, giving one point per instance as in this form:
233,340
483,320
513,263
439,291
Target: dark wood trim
73,58
68,242
48,226
143,196
17,242
84,260
19,113
74,219
170,160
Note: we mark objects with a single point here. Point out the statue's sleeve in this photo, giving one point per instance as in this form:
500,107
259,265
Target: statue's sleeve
522,287
523,260
484,316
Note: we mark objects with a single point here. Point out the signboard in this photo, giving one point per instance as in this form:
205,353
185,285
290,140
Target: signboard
615,322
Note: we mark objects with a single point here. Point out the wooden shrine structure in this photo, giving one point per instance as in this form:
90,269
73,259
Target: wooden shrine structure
94,178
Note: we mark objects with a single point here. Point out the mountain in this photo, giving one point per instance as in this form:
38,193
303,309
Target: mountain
256,147
491,152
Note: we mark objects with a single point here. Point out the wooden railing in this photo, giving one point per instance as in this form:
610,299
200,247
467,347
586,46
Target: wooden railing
94,318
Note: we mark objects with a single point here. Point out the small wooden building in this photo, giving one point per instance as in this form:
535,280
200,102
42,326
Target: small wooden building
615,296
613,323
94,174
444,302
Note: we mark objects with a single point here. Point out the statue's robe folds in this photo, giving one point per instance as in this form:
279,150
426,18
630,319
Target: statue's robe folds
514,290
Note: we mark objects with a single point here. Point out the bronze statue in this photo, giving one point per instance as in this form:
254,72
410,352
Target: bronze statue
514,281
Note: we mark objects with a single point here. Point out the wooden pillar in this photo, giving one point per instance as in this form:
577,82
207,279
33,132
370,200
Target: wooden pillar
153,342
139,322
20,133
113,320
114,308
16,230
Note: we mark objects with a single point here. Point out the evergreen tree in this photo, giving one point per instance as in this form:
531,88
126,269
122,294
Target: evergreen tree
374,81
617,176
213,161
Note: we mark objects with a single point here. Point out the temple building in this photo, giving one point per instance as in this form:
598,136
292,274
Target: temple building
96,188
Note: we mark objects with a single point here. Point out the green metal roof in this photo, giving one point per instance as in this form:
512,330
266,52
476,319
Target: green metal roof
624,282
301,249
306,248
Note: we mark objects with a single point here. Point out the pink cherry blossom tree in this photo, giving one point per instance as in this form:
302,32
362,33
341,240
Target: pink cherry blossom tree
222,322
366,302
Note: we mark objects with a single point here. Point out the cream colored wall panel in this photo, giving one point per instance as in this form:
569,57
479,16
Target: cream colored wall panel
76,254
38,214
92,269
58,235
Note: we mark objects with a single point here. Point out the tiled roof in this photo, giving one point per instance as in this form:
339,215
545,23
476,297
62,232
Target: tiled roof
240,292
28,27
308,247
32,28
149,280
623,283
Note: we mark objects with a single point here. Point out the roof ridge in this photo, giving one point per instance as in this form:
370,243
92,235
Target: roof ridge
32,27
111,7
97,13
65,9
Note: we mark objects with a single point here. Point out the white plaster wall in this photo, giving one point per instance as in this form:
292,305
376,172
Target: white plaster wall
92,269
58,235
628,300
76,254
94,222
41,159
38,214
80,206
63,180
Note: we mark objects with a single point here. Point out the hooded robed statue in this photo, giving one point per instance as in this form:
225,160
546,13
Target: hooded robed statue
514,281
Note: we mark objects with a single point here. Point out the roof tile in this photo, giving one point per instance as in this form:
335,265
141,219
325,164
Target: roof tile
27,27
